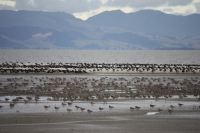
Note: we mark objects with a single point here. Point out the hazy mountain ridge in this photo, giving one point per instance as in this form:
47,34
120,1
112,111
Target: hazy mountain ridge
150,21
50,30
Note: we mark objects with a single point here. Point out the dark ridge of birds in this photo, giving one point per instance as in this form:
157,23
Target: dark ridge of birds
81,68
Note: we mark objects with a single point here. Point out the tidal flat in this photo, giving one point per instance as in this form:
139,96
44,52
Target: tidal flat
60,103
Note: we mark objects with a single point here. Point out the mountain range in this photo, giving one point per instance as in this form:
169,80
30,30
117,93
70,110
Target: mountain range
110,30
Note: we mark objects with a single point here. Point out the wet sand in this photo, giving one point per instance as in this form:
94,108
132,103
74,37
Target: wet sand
185,119
101,122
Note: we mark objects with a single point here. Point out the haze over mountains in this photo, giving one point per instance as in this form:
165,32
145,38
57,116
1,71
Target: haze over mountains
110,30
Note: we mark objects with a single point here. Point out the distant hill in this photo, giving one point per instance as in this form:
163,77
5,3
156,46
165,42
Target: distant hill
53,20
36,37
110,30
150,22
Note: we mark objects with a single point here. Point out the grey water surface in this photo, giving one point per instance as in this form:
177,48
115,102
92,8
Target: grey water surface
102,56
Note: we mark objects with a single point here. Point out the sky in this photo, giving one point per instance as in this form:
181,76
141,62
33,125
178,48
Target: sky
84,9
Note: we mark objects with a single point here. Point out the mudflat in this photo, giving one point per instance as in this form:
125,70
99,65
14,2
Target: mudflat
185,119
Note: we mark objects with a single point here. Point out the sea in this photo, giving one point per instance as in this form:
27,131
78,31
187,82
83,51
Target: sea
102,56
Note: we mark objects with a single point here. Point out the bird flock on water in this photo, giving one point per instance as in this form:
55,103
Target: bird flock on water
98,90
81,68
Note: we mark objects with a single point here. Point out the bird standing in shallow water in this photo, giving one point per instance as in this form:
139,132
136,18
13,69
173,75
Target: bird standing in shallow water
100,108
131,108
151,105
12,105
69,110
92,103
56,108
137,107
111,107
89,111
180,104
171,106
63,104
77,107
170,111
82,109
46,106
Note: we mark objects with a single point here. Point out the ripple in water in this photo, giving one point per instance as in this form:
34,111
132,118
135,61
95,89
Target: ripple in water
102,56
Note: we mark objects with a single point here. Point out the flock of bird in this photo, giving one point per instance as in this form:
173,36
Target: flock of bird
99,89
20,67
90,111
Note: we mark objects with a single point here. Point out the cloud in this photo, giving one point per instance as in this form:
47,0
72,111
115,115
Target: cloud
179,7
147,3
179,2
7,3
86,15
42,35
87,8
168,10
68,6
197,6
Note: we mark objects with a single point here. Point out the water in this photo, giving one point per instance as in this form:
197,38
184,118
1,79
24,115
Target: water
104,56
122,106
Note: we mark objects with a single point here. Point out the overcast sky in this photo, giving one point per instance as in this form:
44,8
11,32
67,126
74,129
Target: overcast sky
87,8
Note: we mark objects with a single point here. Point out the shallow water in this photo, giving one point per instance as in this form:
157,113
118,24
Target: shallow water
119,106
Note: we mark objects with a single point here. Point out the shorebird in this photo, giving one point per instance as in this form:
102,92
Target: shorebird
69,110
56,108
131,108
89,111
46,106
171,106
82,109
170,111
105,102
12,105
137,107
69,103
92,103
151,105
63,104
180,104
111,107
100,108
6,99
77,107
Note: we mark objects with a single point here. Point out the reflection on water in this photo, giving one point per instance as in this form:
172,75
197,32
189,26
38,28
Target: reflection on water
152,113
